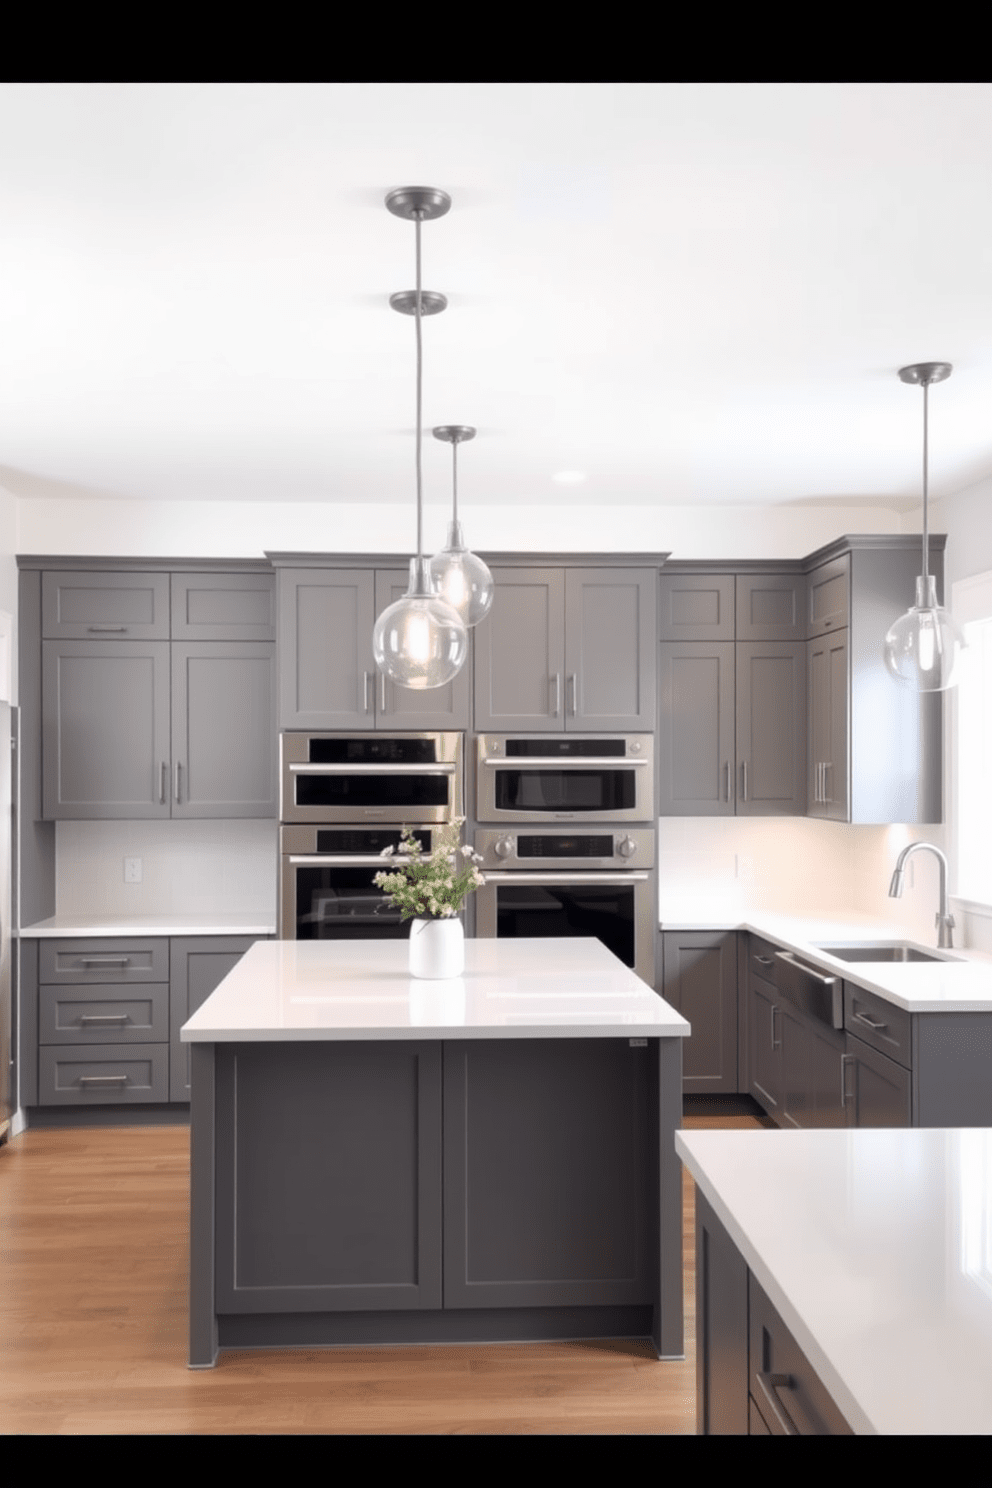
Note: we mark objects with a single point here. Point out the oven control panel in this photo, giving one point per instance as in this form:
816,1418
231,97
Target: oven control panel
524,849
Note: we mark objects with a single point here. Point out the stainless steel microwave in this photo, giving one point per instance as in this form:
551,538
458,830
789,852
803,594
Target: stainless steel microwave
565,777
410,778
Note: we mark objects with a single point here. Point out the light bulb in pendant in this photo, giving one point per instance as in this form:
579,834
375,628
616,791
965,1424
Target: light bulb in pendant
419,641
460,577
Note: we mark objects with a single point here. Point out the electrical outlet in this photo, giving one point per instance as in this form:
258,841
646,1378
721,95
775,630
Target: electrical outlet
132,870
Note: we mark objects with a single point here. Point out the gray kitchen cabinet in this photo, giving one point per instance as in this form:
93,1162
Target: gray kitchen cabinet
223,729
794,1060
696,606
875,744
328,678
732,728
699,980
770,607
765,1081
87,605
223,606
829,689
136,729
197,966
106,745
752,1378
568,649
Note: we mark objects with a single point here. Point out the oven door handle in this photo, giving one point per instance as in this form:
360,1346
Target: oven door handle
346,860
384,769
532,762
565,877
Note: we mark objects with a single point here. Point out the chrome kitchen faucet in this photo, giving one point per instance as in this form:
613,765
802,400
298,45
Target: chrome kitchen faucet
944,920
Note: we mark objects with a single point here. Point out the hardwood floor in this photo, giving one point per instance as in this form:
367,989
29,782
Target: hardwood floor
93,1319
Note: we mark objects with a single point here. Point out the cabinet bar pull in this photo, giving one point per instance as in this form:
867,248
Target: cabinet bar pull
814,976
162,787
769,1384
844,1097
104,1018
726,788
107,629
178,796
869,1022
557,707
744,778
368,681
102,1080
774,1011
104,960
829,764
765,960
573,688
382,692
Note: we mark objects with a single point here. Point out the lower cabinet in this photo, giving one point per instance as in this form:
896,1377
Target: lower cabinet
100,1018
752,1378
699,979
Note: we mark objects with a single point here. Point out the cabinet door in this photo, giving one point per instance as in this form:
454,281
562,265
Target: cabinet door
695,607
610,672
879,1091
771,728
828,596
771,607
520,653
326,668
118,606
828,691
105,729
199,964
223,607
696,775
700,981
407,707
764,1046
223,729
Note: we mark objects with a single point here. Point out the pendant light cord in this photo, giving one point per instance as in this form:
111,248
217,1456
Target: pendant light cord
454,480
926,540
420,359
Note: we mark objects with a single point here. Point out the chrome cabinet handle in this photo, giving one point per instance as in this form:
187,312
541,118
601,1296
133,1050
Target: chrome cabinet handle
178,795
102,1080
104,1018
769,1385
828,765
844,1093
368,681
382,692
744,779
869,1022
775,1045
104,960
162,786
107,629
814,976
765,960
726,787
573,688
557,707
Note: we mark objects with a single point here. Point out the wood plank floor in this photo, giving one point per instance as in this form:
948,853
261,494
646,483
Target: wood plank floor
93,1326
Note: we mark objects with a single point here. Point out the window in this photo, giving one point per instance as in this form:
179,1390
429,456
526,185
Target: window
972,750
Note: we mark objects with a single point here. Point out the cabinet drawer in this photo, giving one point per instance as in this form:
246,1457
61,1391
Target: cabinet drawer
94,961
828,597
879,1024
103,1074
103,1014
792,1400
105,606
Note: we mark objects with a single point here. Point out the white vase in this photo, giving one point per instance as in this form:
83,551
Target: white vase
437,948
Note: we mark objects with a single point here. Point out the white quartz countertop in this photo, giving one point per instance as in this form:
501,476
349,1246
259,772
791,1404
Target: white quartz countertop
297,990
145,925
876,1248
963,984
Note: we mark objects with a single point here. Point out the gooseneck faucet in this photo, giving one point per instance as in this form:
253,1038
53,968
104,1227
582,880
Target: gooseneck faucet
944,920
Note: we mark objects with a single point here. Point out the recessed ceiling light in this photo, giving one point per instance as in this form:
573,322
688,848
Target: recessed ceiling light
569,477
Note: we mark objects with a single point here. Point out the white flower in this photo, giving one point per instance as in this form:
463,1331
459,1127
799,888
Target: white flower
387,852
466,852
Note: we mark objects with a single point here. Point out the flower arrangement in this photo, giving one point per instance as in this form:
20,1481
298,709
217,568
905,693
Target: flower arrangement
436,886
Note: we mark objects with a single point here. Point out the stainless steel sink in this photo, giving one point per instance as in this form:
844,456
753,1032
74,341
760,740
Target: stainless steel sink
886,950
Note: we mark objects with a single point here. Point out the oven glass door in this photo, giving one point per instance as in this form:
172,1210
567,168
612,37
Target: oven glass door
524,790
338,901
613,908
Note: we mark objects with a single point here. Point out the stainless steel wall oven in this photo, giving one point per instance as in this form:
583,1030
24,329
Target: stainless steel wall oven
547,882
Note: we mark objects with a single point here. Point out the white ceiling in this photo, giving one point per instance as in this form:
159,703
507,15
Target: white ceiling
687,292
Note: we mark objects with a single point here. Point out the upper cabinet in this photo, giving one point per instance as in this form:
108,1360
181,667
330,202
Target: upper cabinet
154,728
328,678
568,648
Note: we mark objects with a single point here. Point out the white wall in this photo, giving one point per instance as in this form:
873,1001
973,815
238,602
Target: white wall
8,586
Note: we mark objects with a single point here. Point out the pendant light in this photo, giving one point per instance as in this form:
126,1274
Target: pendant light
419,641
459,576
923,646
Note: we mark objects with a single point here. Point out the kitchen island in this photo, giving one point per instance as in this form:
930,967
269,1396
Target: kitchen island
377,1159
847,1282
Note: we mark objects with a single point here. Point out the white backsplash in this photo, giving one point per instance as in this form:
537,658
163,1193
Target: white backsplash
724,866
187,867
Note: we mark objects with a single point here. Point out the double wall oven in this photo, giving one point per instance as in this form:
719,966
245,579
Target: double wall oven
343,798
567,837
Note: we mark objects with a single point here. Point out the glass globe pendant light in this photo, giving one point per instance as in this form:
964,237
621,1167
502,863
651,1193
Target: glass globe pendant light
419,641
459,576
923,646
